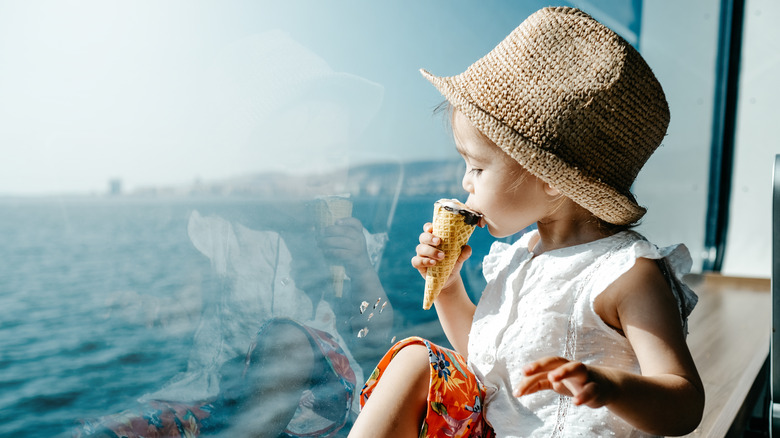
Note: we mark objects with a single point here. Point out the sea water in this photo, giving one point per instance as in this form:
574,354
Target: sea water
100,297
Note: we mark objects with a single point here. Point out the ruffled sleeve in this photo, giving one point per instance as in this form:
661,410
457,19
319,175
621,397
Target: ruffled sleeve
674,261
501,254
492,261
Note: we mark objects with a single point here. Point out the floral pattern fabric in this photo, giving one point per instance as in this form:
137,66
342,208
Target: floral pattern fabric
455,396
158,419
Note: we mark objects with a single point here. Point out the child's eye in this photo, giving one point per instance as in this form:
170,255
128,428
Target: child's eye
475,171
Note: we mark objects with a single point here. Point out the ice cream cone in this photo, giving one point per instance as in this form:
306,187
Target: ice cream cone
453,223
329,209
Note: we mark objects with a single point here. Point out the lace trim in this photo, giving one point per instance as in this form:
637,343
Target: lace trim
571,337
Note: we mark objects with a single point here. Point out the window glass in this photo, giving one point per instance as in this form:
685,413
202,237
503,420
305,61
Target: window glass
680,43
749,245
174,174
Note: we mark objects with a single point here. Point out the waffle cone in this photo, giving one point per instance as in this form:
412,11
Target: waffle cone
454,232
329,209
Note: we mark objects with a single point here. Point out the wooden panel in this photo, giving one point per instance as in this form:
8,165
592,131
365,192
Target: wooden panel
729,340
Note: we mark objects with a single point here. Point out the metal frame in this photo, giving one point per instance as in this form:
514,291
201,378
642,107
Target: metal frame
774,348
724,120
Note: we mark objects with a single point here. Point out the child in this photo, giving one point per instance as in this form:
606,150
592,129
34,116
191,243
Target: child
581,327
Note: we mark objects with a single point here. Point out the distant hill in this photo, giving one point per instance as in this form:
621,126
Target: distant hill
417,178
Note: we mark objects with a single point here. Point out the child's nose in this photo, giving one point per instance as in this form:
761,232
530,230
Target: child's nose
467,185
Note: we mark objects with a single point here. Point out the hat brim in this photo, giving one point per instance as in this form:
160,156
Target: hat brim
602,200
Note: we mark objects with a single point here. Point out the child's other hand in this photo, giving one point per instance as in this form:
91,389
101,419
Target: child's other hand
344,243
428,253
587,385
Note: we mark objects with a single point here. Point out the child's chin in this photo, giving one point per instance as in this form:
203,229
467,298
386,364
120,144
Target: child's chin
500,234
495,233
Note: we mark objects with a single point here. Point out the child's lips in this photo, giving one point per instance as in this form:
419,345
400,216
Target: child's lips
481,223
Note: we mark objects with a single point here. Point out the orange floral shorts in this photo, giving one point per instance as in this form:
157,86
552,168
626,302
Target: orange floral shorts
455,395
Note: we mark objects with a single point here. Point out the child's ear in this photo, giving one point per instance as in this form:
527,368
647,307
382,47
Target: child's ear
550,190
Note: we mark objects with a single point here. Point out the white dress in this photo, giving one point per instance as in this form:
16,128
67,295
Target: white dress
543,306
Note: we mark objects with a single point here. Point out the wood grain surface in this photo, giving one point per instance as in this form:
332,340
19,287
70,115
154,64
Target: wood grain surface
729,339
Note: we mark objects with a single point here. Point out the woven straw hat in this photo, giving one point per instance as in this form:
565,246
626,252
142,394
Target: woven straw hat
572,102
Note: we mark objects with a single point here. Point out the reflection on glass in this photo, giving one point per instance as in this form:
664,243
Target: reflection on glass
273,351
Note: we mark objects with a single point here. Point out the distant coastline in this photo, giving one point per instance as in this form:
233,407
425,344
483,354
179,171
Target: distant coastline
406,179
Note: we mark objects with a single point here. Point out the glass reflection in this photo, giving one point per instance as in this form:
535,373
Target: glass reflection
273,352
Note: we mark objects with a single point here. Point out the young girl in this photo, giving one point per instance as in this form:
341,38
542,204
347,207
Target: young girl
581,328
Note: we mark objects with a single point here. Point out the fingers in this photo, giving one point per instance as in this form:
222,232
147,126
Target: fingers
344,242
533,383
426,257
570,379
589,385
590,396
349,227
351,222
465,253
537,375
341,245
427,237
560,375
544,364
427,252
569,370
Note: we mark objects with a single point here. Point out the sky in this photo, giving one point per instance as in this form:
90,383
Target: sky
94,90
164,93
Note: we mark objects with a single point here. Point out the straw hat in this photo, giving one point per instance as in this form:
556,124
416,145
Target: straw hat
572,102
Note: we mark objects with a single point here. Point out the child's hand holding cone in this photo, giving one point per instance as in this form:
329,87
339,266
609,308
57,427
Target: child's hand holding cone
453,224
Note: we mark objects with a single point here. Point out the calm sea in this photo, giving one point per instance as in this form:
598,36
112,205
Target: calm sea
99,297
